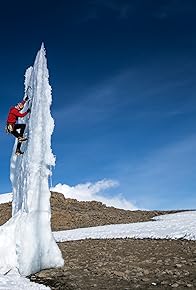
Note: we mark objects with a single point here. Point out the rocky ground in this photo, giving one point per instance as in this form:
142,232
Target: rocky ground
123,264
117,264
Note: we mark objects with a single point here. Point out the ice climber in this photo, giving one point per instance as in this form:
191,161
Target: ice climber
13,127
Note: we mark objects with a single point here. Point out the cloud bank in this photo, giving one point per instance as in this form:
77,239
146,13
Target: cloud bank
5,197
95,191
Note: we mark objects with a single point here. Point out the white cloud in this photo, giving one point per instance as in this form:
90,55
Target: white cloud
94,191
5,197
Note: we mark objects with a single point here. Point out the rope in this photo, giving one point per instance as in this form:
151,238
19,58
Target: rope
51,185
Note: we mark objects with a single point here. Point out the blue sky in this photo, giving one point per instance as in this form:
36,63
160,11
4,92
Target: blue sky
124,92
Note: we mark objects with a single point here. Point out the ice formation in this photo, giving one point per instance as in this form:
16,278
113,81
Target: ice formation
26,240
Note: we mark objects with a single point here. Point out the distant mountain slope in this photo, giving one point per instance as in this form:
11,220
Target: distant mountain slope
70,213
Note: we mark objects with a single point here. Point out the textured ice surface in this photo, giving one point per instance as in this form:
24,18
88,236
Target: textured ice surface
26,240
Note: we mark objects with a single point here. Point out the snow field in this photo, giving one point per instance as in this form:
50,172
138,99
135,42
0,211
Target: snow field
172,226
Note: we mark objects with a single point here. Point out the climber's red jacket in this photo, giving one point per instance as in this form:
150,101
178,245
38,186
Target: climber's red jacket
14,113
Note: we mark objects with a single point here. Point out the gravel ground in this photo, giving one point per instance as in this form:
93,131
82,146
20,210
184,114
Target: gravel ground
123,264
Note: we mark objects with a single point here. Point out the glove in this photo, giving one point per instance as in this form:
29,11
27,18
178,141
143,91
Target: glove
29,110
26,98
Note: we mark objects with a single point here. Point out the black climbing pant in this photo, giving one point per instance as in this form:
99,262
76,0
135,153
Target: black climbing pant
13,129
17,127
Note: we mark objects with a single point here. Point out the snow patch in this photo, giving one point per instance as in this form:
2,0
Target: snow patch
171,226
13,281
